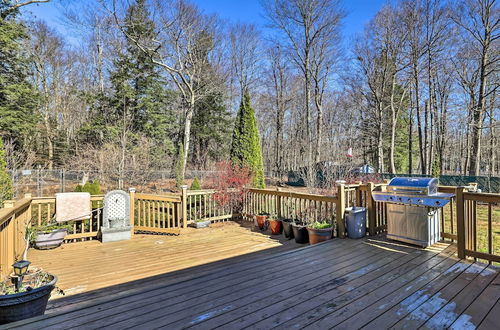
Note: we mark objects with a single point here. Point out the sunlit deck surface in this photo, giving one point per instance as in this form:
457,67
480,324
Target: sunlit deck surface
219,278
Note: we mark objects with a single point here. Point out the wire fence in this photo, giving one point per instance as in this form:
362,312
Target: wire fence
42,182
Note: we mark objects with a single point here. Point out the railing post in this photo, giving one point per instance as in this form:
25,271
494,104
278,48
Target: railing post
341,210
132,210
371,209
278,203
184,206
460,223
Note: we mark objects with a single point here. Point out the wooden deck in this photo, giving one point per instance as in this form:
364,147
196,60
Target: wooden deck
370,283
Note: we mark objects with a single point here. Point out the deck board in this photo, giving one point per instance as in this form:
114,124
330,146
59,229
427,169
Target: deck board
341,283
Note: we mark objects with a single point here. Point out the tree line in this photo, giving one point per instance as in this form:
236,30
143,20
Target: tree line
135,86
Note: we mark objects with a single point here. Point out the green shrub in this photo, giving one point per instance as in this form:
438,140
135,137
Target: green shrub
195,185
321,225
92,187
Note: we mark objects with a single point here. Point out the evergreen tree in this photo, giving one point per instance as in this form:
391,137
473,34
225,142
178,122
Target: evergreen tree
246,147
195,185
18,97
5,180
210,129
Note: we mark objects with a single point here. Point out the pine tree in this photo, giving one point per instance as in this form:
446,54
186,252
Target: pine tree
5,180
246,148
18,97
195,185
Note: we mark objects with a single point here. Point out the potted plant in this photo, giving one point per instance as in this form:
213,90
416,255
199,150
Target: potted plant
319,232
29,300
300,232
202,223
48,236
261,219
287,228
26,293
275,225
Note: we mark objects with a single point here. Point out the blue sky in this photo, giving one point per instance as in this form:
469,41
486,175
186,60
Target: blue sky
359,12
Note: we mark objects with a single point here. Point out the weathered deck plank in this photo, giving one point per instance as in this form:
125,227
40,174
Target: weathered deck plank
341,283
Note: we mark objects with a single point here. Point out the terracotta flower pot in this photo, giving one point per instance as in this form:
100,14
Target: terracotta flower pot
275,226
319,235
261,220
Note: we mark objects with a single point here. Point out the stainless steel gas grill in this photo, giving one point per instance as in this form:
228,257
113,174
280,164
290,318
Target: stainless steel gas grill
413,209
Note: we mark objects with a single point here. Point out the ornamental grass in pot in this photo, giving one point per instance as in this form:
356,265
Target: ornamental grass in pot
275,225
319,232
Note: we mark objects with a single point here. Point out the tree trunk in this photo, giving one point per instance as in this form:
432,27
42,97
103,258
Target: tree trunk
187,132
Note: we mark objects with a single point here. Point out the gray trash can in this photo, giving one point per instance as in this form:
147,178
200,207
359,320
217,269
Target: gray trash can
355,218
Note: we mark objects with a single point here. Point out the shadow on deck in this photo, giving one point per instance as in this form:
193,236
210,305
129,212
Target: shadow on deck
342,283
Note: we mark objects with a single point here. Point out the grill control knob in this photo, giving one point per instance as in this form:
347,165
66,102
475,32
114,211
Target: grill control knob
437,203
420,201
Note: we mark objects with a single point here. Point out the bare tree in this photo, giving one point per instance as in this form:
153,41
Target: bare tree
480,20
305,24
185,41
245,53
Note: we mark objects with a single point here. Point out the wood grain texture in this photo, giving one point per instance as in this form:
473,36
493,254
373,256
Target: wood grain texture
341,283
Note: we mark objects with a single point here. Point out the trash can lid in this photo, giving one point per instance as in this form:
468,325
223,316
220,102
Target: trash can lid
355,209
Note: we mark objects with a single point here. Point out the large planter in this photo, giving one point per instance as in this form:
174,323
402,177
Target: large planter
319,235
287,228
20,306
261,221
275,227
50,240
300,233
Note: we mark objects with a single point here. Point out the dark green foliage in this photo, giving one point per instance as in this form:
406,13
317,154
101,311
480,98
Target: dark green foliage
18,97
195,185
139,104
92,187
211,129
246,147
179,179
5,180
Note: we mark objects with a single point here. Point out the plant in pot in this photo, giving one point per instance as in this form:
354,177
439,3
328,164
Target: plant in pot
319,232
287,227
275,224
300,233
200,219
261,220
26,293
48,236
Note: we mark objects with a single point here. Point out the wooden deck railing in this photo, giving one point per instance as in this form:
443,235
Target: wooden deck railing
14,218
156,213
470,219
477,214
44,208
201,205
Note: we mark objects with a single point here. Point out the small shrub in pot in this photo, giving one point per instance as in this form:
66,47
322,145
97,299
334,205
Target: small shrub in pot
275,225
319,232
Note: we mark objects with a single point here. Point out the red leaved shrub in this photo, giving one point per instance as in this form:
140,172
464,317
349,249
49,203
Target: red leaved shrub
229,183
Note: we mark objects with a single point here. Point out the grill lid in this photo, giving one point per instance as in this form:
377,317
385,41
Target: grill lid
420,186
413,191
